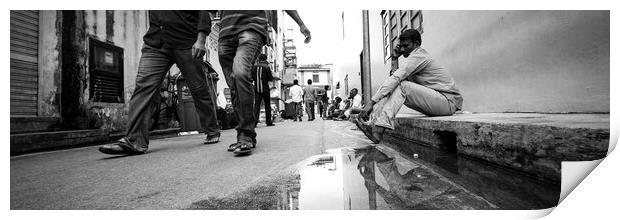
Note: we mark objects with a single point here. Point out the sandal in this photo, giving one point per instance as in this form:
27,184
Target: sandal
234,146
212,139
243,148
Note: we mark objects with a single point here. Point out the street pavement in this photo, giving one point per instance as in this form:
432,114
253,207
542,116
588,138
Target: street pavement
175,173
296,165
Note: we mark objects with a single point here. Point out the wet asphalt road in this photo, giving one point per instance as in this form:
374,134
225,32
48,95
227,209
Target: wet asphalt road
176,173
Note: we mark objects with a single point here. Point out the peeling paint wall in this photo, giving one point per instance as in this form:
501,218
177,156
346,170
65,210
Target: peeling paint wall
50,39
524,61
123,29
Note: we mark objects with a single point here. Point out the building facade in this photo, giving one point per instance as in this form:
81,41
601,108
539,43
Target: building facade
73,70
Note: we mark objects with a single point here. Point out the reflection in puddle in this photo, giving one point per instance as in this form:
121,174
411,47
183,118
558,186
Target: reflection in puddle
369,179
380,178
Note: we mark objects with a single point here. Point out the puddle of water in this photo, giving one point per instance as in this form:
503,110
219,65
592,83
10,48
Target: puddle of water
368,179
379,177
506,188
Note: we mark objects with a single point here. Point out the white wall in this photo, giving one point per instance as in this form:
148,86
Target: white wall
351,47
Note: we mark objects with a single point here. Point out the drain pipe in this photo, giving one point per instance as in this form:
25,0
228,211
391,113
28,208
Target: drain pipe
366,86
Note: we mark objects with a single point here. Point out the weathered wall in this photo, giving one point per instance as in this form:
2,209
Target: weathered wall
518,61
50,40
124,29
212,55
524,61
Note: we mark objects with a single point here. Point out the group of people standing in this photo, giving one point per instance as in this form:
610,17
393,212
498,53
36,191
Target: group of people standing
314,98
179,37
311,97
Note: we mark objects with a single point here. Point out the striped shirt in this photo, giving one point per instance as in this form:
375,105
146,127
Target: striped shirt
234,22
262,76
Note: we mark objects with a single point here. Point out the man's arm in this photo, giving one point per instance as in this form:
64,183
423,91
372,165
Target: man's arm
302,27
269,74
204,28
204,22
411,65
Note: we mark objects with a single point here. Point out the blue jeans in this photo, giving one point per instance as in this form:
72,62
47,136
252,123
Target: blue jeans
237,55
154,64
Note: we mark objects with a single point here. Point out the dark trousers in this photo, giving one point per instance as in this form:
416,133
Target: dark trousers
154,64
237,53
310,110
322,108
299,112
265,98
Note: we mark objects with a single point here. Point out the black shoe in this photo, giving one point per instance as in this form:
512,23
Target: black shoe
122,146
271,124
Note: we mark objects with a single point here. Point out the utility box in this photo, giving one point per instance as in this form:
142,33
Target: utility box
190,121
186,108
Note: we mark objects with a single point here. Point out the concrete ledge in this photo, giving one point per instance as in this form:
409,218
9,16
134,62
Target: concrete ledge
33,124
528,142
28,142
41,141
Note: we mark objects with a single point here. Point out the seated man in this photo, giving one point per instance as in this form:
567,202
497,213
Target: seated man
356,104
335,108
342,108
420,83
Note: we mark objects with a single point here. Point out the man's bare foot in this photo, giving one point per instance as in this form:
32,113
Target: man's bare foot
372,132
377,133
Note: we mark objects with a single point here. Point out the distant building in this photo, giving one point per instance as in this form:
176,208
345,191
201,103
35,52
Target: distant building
320,74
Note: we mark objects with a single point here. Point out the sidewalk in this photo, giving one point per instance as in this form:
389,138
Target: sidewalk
532,143
52,140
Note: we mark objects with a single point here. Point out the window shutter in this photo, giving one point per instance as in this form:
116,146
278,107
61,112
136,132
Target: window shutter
24,62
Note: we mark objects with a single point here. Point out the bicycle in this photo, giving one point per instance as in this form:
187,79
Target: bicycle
167,108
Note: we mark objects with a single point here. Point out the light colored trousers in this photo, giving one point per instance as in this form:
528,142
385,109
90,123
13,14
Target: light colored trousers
415,96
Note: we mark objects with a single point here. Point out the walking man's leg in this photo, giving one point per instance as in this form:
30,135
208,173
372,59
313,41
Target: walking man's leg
298,111
308,110
202,93
246,47
154,63
311,113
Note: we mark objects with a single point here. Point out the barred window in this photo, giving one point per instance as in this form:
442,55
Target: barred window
416,20
106,72
386,35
